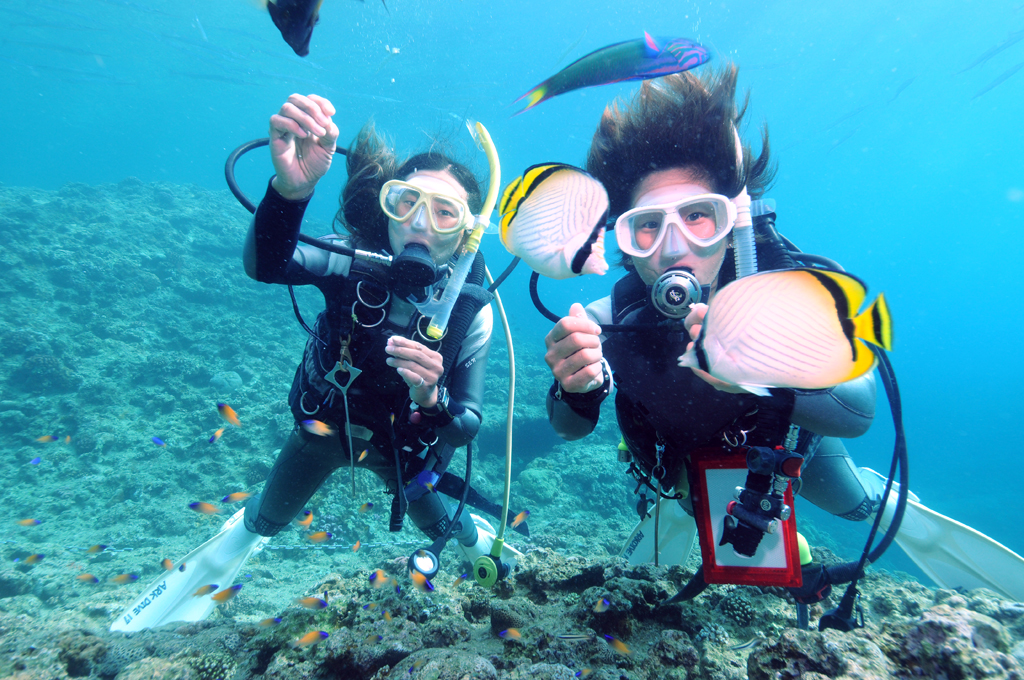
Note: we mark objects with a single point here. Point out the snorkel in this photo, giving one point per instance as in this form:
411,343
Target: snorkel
439,321
743,231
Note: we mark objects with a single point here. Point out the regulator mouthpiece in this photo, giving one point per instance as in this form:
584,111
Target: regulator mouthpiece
675,293
412,271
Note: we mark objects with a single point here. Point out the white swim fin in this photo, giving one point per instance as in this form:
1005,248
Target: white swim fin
951,553
170,597
485,540
676,536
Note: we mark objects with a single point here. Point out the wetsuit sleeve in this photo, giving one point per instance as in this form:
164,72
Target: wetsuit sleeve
466,386
574,416
845,410
272,252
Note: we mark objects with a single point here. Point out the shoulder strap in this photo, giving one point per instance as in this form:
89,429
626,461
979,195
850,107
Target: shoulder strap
626,292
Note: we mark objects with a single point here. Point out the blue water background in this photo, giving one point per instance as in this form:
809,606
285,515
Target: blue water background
918,191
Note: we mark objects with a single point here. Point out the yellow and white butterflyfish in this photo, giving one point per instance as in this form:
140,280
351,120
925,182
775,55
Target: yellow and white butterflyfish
553,217
794,328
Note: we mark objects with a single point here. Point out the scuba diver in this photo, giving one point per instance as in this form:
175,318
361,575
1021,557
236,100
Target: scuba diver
677,175
374,389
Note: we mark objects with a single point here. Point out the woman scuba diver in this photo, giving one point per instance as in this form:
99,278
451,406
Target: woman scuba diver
373,390
677,175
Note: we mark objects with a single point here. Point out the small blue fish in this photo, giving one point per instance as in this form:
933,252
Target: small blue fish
35,461
641,59
159,442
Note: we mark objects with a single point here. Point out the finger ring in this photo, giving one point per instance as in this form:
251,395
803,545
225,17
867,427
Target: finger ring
423,381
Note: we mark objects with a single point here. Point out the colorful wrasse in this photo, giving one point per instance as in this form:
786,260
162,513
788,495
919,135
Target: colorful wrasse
204,508
575,637
583,672
387,616
378,578
510,634
618,645
159,442
520,518
266,623
122,579
98,548
205,590
421,582
34,559
29,522
373,639
790,328
307,519
365,507
235,497
602,605
318,428
553,217
460,580
216,435
228,414
227,594
311,639
311,602
640,59
363,455
370,607
87,578
47,438
320,536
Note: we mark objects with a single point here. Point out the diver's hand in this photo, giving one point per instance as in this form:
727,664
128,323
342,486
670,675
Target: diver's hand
302,143
694,321
419,366
574,352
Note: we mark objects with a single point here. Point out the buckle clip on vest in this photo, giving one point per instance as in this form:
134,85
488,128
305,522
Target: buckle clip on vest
743,498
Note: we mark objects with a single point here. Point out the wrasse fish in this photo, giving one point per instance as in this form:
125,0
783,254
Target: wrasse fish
794,328
618,645
421,582
205,590
355,548
121,579
510,633
47,438
166,564
553,217
373,639
318,428
87,578
365,507
582,673
311,602
159,442
745,645
307,519
640,59
228,414
34,559
29,522
217,435
602,605
266,623
320,536
460,580
363,455
370,607
98,548
311,638
575,637
204,508
520,518
235,497
227,594
387,616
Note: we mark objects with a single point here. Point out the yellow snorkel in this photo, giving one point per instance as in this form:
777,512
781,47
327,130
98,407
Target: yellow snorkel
439,322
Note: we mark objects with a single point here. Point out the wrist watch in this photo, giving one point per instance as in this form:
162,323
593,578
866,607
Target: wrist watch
438,413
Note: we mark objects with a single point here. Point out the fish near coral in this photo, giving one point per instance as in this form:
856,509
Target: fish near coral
228,414
227,594
204,508
311,639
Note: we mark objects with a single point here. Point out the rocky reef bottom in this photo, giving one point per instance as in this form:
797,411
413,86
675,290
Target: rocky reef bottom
462,631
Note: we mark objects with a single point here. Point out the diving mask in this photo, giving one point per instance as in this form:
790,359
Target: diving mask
704,220
445,213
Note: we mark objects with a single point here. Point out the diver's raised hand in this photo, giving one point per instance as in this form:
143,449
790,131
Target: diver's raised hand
574,352
419,366
694,321
302,142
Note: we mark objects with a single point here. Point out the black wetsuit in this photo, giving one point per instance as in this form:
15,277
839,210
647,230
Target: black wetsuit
378,398
656,400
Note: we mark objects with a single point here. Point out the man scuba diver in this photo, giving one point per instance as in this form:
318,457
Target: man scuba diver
384,394
677,177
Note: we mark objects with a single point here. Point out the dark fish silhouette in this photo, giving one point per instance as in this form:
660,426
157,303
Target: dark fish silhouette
998,81
1012,39
296,20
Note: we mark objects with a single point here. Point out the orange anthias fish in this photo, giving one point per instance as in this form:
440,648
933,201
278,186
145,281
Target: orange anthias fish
98,548
228,414
379,579
510,633
311,602
205,590
235,497
460,580
216,435
363,455
421,582
121,579
34,559
355,548
311,638
47,438
602,605
320,536
167,564
227,594
29,522
365,507
319,428
204,508
307,519
520,518
266,623
618,645
87,578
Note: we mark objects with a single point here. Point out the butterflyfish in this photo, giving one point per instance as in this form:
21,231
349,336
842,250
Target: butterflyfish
235,497
320,536
87,578
640,59
553,217
311,638
228,414
227,594
121,579
520,518
318,428
307,518
204,508
205,590
311,602
790,328
216,435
